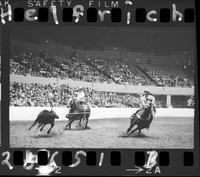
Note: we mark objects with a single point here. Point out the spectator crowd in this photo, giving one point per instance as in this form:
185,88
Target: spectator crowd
96,70
167,75
90,70
35,94
23,94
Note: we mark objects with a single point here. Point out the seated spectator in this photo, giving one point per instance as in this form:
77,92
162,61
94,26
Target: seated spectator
166,75
97,70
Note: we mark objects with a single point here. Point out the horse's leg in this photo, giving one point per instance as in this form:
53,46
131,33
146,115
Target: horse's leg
33,125
133,131
80,122
39,126
139,132
52,125
131,125
86,123
69,124
42,127
149,123
129,128
87,118
84,118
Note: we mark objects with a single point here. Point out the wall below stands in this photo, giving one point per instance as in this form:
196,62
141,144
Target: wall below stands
30,113
104,87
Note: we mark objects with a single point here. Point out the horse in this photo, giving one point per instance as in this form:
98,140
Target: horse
143,122
78,112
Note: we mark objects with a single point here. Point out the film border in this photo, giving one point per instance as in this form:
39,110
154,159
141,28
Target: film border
124,152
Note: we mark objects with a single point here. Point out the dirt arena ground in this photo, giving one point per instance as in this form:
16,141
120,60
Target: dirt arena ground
165,132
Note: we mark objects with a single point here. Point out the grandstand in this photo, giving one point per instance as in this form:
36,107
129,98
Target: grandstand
89,69
100,70
167,75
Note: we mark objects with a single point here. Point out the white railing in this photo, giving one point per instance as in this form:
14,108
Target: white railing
30,113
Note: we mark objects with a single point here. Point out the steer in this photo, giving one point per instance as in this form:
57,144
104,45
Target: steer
45,117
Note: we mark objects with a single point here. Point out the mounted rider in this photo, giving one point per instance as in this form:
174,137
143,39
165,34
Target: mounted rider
79,109
77,100
145,101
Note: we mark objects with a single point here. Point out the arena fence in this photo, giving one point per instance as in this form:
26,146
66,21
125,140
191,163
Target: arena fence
30,113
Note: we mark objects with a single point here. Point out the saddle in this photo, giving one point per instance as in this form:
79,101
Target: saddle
141,114
78,107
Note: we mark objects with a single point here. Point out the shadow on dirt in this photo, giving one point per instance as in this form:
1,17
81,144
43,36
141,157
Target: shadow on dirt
135,135
46,135
78,128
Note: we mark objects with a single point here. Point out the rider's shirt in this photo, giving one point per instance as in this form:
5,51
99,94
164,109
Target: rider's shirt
143,101
81,96
151,97
70,101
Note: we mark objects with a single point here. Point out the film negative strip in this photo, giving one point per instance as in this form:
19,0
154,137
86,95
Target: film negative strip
99,87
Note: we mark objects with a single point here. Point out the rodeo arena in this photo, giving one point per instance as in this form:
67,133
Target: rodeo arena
101,87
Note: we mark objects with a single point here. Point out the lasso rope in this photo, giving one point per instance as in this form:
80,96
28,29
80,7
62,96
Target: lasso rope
78,113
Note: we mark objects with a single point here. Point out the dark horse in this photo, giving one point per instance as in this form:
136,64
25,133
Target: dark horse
143,122
78,112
